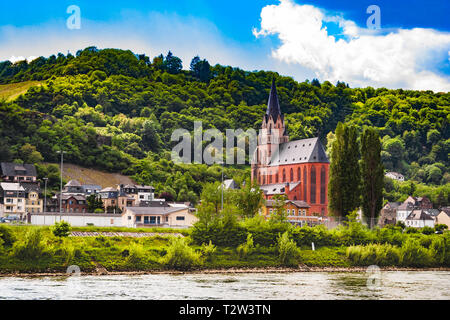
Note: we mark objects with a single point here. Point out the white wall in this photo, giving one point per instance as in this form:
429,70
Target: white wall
78,220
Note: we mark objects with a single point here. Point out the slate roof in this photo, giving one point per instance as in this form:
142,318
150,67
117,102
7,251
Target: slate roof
299,151
75,196
30,186
270,189
393,205
230,184
273,105
297,203
11,186
9,169
155,210
73,183
432,212
419,215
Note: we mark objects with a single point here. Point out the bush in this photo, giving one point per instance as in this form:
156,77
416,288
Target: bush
438,250
374,254
437,227
414,255
246,248
31,247
61,229
287,250
208,251
400,224
411,230
136,254
180,256
427,230
7,236
320,235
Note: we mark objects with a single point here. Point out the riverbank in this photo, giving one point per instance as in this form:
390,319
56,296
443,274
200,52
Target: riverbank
104,272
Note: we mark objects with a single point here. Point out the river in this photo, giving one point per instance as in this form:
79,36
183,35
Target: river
428,285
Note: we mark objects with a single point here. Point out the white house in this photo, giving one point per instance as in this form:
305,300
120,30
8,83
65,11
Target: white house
404,210
395,176
178,217
12,199
419,218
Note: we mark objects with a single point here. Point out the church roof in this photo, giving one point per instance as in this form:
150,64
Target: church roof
299,151
273,105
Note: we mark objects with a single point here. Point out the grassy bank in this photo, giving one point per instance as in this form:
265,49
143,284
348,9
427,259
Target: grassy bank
31,249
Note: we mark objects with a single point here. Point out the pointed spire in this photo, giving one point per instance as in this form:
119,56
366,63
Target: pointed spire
273,106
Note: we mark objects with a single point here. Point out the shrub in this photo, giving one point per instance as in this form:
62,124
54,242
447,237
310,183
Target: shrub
287,250
61,229
31,247
136,254
438,250
320,235
414,255
427,230
411,230
374,254
208,251
180,256
440,227
400,224
246,248
7,236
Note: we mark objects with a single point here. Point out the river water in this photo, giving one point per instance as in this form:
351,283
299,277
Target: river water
429,285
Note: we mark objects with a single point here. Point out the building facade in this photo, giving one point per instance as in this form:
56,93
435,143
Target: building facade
299,169
12,199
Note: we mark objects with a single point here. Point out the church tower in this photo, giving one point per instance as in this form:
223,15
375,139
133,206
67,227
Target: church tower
272,134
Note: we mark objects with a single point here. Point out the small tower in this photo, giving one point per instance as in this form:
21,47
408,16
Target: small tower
271,135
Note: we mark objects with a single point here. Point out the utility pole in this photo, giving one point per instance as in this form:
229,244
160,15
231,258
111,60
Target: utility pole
60,194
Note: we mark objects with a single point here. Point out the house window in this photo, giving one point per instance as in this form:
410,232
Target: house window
292,175
284,175
288,211
152,220
129,218
138,218
298,174
276,178
293,212
180,218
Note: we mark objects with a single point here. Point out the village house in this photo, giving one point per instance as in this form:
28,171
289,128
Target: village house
13,172
418,218
388,214
32,201
395,176
138,192
135,217
12,199
298,169
443,218
74,203
297,211
109,197
125,200
410,204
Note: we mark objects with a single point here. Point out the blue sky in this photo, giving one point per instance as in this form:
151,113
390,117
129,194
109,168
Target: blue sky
260,34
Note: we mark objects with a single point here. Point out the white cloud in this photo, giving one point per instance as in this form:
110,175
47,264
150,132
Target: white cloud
401,58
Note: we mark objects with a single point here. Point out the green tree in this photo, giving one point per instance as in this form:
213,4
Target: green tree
249,199
345,176
372,174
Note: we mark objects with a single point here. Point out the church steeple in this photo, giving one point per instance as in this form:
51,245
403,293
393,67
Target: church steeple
273,105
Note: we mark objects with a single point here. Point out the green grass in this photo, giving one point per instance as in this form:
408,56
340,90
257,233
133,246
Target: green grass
11,91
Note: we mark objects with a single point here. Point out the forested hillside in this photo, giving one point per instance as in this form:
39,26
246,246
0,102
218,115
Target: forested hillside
114,110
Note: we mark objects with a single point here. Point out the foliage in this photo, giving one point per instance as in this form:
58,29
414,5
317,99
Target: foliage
344,180
7,236
287,250
31,247
61,229
372,175
246,248
208,251
180,256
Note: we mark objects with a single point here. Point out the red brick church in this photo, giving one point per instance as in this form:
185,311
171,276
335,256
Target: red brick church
298,168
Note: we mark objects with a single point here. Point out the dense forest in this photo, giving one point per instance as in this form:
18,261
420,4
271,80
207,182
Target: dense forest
115,110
